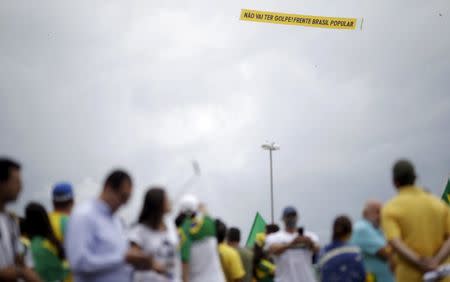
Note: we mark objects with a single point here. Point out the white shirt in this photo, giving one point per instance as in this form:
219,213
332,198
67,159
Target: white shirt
162,246
204,264
6,247
294,264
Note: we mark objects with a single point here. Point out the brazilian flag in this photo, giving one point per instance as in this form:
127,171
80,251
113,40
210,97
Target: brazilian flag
446,195
259,226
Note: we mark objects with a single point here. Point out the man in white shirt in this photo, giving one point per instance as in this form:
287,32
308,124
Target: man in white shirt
12,266
293,250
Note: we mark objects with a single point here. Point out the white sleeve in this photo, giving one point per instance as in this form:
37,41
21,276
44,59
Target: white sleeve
135,235
312,236
270,241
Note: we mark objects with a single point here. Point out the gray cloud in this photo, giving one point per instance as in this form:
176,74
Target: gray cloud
86,86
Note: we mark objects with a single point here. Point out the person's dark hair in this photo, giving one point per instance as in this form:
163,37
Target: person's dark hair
221,230
6,165
403,173
62,205
342,227
272,228
234,235
38,224
23,227
180,219
116,178
153,208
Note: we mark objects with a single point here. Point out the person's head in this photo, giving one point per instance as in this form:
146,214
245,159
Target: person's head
290,218
156,204
403,173
342,228
272,228
38,225
10,182
372,212
117,189
234,236
221,231
189,205
63,197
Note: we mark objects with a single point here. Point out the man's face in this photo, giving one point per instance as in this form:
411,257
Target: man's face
374,214
122,195
11,188
290,220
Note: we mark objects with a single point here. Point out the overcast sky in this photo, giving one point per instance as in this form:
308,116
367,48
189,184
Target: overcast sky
149,86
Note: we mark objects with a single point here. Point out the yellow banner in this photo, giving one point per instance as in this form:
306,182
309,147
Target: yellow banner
302,20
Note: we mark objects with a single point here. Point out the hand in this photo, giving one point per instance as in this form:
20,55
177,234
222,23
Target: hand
29,275
158,267
138,259
10,273
303,240
427,264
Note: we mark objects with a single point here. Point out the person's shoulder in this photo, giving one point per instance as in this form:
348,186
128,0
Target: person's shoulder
362,226
83,211
311,235
274,237
137,228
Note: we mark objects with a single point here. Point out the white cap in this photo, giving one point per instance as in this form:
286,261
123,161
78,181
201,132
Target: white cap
189,203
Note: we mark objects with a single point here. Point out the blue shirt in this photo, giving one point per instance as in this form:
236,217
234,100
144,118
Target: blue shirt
370,240
341,262
96,244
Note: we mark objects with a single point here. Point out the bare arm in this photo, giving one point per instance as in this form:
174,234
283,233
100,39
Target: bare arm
424,264
278,249
443,253
185,272
14,273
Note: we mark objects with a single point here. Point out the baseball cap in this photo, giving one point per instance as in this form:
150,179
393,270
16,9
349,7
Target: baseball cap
62,192
189,203
289,210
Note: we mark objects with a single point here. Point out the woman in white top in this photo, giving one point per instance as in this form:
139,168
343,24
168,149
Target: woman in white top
154,237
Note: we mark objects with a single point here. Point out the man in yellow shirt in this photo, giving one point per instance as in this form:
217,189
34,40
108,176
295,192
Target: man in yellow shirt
417,226
231,261
63,201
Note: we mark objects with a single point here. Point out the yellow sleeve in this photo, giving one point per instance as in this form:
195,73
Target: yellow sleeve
236,268
390,224
446,211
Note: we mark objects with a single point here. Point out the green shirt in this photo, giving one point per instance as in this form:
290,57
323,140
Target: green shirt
46,261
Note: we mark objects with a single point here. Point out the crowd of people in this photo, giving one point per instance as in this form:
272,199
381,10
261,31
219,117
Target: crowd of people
405,240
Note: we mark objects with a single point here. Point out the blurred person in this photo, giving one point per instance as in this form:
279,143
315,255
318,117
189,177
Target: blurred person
152,236
47,250
341,261
293,250
13,266
272,228
374,248
263,269
63,201
416,225
96,244
229,257
246,255
199,254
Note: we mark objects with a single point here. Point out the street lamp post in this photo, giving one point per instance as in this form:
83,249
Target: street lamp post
271,147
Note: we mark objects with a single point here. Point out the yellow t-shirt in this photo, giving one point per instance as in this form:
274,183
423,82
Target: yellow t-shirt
421,221
231,263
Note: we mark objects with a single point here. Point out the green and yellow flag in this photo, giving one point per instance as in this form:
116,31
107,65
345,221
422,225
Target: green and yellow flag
259,225
446,195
